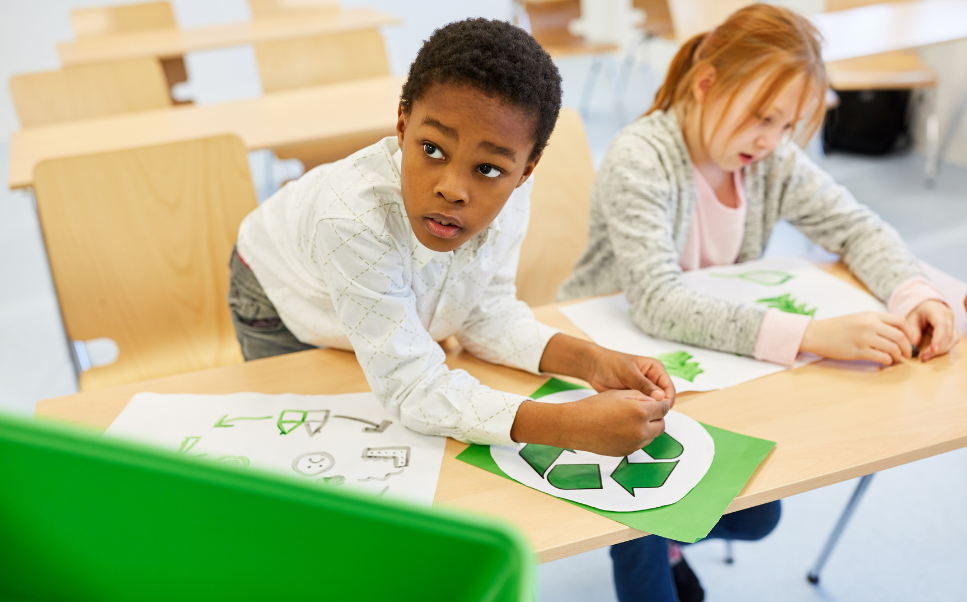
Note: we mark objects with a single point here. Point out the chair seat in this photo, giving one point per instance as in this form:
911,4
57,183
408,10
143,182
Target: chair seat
892,71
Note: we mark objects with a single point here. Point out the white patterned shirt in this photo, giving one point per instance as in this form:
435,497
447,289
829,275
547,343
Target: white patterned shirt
335,253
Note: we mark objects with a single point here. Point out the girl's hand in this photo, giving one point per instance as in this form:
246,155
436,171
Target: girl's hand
613,423
882,338
613,370
938,319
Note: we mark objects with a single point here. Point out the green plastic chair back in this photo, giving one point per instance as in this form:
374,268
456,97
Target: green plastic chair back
85,518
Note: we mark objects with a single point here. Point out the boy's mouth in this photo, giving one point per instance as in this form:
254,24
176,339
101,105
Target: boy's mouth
442,226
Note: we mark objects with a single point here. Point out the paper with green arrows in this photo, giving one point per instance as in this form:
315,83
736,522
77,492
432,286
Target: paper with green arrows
689,519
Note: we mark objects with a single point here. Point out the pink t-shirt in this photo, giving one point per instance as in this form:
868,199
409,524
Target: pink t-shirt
715,238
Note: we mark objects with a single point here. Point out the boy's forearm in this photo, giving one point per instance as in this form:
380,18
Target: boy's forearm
542,423
569,356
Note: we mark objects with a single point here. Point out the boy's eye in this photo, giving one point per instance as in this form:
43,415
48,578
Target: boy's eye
432,151
489,170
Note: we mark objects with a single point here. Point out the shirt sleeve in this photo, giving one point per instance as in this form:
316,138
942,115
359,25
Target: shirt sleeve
403,365
911,293
502,329
780,337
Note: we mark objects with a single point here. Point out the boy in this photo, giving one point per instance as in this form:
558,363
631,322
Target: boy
417,238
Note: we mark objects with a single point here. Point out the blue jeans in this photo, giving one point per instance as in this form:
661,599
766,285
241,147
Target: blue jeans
641,569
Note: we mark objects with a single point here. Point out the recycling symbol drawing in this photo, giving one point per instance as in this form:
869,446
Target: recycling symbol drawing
661,473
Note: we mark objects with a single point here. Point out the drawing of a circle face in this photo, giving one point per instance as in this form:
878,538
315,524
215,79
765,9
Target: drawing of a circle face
313,463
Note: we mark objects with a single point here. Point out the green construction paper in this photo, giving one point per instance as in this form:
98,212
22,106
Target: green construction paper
692,517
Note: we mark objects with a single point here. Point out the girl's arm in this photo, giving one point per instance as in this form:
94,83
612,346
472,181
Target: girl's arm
633,190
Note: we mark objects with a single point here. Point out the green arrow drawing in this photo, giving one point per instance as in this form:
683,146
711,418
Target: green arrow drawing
678,363
575,476
643,475
664,447
187,443
540,457
787,304
763,277
222,423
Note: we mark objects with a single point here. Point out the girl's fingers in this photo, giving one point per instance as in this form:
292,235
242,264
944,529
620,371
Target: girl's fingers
875,355
897,336
889,347
910,331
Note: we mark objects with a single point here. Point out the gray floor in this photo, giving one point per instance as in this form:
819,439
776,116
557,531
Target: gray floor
909,540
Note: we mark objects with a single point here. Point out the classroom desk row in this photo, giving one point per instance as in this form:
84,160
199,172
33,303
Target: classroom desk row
316,114
832,421
166,43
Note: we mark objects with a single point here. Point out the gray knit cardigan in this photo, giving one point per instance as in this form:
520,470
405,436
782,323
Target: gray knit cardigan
642,204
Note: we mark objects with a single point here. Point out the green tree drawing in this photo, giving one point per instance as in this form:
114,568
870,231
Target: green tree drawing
787,304
677,363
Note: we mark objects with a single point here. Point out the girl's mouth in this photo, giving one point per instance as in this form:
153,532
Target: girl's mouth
440,227
746,159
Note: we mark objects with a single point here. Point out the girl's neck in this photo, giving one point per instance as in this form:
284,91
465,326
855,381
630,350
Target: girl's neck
721,181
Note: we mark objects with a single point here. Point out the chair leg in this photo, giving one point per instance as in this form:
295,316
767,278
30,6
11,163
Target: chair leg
933,140
955,120
854,500
589,86
612,72
729,556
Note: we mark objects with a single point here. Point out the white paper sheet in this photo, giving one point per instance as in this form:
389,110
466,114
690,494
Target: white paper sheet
606,320
342,440
625,484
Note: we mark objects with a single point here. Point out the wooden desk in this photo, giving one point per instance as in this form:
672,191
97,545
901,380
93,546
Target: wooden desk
298,116
832,422
173,43
891,26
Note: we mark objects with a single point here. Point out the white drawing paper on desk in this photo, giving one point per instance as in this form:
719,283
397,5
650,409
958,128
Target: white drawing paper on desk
341,440
794,285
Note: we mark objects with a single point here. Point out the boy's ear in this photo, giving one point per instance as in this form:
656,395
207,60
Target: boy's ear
703,83
528,170
401,118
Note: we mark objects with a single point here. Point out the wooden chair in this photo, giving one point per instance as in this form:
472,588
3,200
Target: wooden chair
316,61
903,70
549,20
88,91
132,18
560,205
138,242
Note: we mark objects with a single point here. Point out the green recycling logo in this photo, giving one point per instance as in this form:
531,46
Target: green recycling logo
659,474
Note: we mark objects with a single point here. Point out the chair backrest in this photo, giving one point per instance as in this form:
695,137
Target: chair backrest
88,91
91,518
320,60
126,18
549,22
139,242
692,17
834,5
560,204
658,17
262,9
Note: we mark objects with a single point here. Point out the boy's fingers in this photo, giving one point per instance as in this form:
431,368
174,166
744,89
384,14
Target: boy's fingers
656,373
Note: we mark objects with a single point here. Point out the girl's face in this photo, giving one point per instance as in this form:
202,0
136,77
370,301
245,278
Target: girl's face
733,151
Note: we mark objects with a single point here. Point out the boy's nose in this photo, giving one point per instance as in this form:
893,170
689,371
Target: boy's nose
453,187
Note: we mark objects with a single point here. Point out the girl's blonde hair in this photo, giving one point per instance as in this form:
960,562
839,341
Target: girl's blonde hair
754,41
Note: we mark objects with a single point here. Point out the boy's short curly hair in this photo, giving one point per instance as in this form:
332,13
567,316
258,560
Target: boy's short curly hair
497,58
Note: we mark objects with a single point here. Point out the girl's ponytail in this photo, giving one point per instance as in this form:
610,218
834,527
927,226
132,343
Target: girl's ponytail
681,64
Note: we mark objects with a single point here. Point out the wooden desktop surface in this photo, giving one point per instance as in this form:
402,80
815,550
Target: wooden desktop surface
303,115
831,421
176,42
891,26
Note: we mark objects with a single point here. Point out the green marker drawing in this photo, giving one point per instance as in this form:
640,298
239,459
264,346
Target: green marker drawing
640,475
187,444
664,447
763,277
540,457
677,363
575,476
223,423
240,461
787,304
290,420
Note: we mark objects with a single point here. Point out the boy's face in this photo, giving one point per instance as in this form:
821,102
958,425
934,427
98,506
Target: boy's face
464,153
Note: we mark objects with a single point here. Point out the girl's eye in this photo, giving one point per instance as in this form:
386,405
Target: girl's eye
489,170
432,151
767,121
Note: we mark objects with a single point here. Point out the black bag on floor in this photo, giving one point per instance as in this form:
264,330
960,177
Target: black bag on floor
872,122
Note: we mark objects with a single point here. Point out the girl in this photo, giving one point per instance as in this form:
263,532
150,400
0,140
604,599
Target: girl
700,180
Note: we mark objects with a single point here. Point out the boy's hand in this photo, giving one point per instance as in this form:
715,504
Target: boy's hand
613,423
938,319
880,337
614,370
